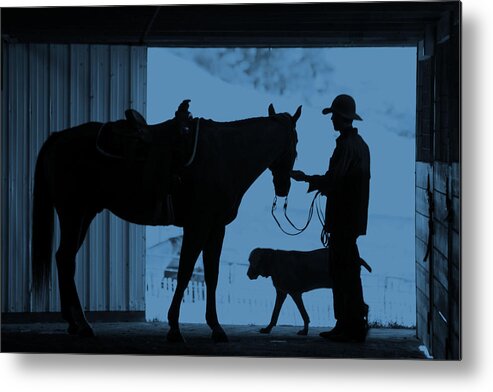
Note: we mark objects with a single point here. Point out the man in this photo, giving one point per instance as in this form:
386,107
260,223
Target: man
346,185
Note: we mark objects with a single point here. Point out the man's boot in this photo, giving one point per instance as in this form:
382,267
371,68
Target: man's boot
337,330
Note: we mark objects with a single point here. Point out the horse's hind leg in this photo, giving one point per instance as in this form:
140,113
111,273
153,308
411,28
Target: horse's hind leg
73,229
211,256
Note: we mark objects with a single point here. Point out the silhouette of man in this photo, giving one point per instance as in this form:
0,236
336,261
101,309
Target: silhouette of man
346,185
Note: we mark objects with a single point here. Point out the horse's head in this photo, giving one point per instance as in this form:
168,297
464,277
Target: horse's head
282,166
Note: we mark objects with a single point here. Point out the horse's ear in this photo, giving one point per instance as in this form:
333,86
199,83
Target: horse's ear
297,114
272,111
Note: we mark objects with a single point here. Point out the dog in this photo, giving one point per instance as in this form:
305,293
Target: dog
293,273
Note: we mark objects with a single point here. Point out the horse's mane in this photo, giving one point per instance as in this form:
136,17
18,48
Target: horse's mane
280,117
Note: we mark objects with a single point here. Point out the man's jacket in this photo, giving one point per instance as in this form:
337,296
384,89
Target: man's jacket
346,185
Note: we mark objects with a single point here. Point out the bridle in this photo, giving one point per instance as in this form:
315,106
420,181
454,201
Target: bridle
297,229
291,142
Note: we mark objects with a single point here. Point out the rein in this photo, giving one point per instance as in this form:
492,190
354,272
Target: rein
309,218
101,150
194,151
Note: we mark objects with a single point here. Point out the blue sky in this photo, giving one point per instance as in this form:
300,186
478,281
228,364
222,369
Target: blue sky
382,80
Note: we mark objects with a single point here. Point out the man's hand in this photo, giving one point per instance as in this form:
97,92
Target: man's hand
298,175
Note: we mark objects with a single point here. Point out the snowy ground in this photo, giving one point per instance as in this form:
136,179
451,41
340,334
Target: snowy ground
383,84
389,289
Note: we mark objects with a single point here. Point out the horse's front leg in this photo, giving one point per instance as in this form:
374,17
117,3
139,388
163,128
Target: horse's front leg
211,256
193,240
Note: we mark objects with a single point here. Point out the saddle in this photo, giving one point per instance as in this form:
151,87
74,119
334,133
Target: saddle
161,156
128,139
131,139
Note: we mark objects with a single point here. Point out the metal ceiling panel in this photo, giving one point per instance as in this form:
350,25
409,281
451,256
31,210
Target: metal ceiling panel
265,25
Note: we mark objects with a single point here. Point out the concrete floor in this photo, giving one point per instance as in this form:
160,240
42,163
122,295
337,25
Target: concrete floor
150,339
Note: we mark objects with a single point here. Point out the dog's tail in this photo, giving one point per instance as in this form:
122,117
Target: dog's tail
365,264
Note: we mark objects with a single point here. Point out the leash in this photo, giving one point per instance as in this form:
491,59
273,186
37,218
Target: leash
285,209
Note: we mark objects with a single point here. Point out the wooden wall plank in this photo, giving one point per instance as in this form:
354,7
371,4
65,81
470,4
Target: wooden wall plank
421,201
440,268
420,253
423,169
423,278
439,336
456,183
440,237
455,317
424,109
455,352
454,283
456,259
422,310
441,173
456,207
440,212
440,299
421,328
422,228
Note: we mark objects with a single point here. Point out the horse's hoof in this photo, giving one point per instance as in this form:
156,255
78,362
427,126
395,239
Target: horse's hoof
219,336
302,332
174,336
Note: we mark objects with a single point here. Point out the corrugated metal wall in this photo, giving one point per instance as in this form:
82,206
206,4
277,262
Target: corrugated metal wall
47,88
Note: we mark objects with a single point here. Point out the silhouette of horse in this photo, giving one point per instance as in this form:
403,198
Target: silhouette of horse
73,178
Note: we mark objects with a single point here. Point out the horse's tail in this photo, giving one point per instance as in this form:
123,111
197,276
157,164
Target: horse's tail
42,225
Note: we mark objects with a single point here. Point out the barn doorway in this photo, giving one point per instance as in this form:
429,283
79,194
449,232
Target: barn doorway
229,84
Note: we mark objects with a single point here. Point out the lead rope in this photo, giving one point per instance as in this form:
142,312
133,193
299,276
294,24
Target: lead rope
324,235
285,209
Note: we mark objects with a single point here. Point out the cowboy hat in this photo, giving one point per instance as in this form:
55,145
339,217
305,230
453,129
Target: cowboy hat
345,106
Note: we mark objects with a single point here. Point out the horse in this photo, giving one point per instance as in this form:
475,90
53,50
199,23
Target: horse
73,178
